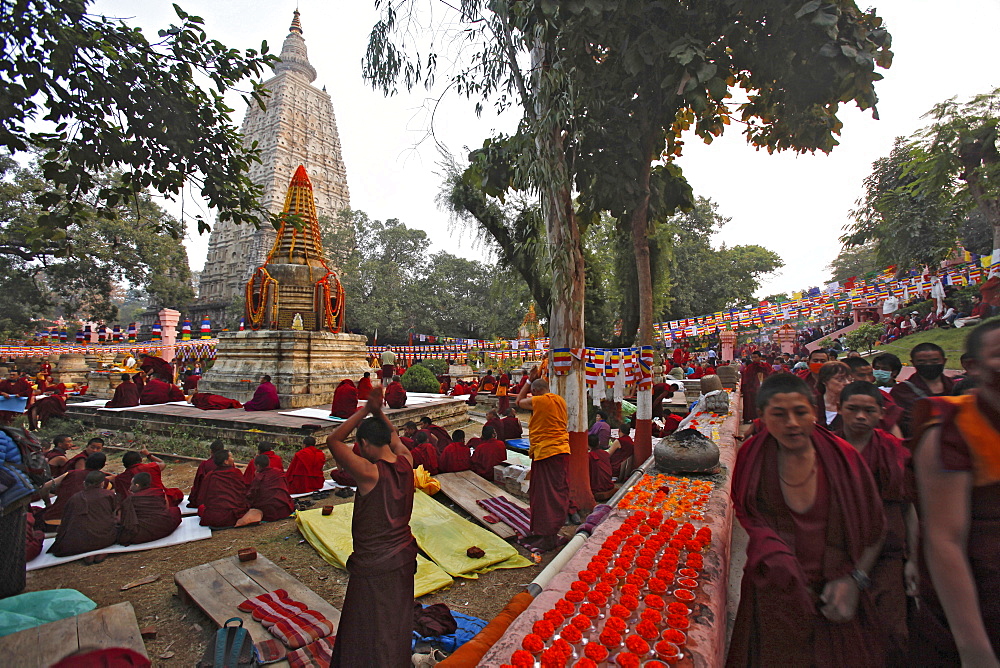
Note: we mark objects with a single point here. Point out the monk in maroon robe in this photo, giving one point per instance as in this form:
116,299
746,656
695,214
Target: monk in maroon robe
204,468
132,461
364,387
622,449
395,394
815,525
77,461
512,428
89,521
224,493
455,457
152,365
438,435
601,482
345,399
489,452
57,455
493,420
69,484
265,397
213,402
424,454
268,492
146,515
157,391
305,472
896,573
126,394
264,448
34,539
751,376
503,393
374,631
44,409
13,386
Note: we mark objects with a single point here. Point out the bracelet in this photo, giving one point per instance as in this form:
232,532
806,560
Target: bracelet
861,579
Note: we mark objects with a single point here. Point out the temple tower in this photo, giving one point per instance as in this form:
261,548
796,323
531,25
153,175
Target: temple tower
297,128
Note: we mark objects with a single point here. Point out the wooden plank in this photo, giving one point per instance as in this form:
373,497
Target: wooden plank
229,571
113,626
56,640
465,495
489,489
269,576
22,648
217,598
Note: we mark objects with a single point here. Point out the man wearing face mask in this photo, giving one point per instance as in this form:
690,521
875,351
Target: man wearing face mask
929,381
958,480
817,359
885,368
861,370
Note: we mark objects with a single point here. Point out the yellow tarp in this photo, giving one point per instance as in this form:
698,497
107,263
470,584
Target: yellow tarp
331,537
444,536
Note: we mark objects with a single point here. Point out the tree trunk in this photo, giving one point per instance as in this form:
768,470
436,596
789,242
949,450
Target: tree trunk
644,284
566,322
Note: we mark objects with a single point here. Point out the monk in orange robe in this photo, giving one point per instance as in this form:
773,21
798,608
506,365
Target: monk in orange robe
395,394
268,492
126,394
147,515
345,399
132,461
456,457
364,387
204,468
224,494
489,452
305,472
275,459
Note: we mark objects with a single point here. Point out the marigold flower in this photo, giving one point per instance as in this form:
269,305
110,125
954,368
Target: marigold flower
618,610
678,608
565,607
693,546
634,579
610,639
687,573
678,622
675,636
597,598
616,624
571,634
574,596
581,622
654,601
653,616
666,650
604,588
637,645
533,643
596,651
657,585
522,659
628,660
647,629
590,610
580,585
562,647
631,602
584,662
684,595
644,563
552,658
543,628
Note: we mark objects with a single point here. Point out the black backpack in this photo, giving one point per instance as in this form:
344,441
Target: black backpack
233,648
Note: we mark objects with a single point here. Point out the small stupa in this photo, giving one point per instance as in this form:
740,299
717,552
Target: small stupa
295,313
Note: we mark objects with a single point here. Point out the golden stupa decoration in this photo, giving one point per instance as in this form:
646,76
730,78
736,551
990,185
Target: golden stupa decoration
295,289
530,328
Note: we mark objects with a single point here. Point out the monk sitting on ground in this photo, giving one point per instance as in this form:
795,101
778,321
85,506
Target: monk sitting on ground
493,420
132,461
424,454
223,494
269,492
204,468
159,391
265,397
601,482
816,525
146,515
52,404
489,452
89,521
264,448
374,631
621,449
305,472
76,462
345,399
511,427
438,435
126,394
395,394
364,387
456,457
57,455
69,484
213,402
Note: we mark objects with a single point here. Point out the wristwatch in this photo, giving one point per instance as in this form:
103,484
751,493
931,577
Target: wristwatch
861,579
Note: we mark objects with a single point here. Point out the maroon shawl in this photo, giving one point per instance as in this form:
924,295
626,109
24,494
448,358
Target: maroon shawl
126,395
147,516
345,399
156,391
269,494
194,496
223,499
213,402
265,398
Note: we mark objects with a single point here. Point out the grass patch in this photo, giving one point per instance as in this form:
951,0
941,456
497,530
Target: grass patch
952,340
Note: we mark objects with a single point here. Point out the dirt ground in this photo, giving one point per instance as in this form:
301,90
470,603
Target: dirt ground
184,631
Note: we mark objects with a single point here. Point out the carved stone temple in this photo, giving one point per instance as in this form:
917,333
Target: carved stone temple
295,311
297,128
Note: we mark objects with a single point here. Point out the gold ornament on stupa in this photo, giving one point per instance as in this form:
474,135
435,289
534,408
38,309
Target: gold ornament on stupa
530,328
295,289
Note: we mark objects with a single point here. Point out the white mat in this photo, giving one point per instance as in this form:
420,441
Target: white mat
98,403
126,408
188,531
314,413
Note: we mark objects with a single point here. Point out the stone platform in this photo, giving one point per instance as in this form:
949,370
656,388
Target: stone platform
305,366
238,425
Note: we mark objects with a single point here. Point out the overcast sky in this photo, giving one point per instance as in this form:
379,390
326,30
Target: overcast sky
794,205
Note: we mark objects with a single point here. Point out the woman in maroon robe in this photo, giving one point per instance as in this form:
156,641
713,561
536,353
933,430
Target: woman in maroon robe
265,398
224,494
815,522
146,515
345,399
126,394
269,492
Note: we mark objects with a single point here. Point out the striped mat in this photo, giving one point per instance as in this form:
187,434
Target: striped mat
513,515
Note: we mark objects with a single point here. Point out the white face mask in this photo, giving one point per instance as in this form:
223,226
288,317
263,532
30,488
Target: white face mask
882,376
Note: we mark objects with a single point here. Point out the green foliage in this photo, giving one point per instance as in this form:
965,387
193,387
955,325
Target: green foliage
864,337
80,273
437,367
855,261
907,226
111,100
419,378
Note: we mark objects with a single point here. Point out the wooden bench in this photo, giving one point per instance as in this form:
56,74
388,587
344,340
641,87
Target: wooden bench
466,488
41,646
219,586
